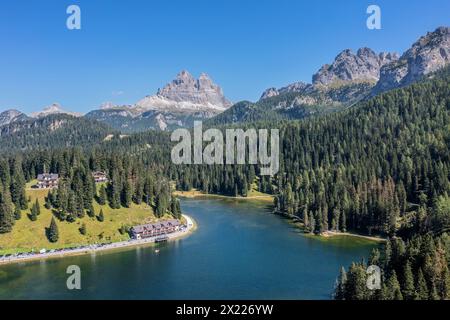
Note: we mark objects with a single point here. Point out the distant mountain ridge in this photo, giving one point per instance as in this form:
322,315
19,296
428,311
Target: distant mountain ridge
52,131
430,53
364,66
177,104
54,108
348,79
11,115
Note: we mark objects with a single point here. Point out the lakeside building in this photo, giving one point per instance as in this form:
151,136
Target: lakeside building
155,229
99,177
47,181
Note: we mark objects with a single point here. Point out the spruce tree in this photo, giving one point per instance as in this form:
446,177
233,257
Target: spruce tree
38,207
408,282
33,214
102,196
17,213
52,232
421,287
83,230
339,293
126,194
393,287
6,212
101,216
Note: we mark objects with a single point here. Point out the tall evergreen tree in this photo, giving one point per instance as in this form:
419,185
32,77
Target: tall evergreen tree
52,232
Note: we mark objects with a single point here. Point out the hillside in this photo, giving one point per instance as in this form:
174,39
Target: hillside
28,235
53,131
294,105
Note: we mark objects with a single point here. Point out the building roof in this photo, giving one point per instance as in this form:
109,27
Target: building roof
156,226
51,176
99,173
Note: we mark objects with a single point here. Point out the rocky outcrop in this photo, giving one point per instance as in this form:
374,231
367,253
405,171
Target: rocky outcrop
430,53
269,93
54,108
186,93
352,74
364,66
10,116
178,104
299,87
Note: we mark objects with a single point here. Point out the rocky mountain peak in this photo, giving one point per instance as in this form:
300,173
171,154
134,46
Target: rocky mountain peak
299,87
428,54
54,108
184,77
11,115
186,92
364,66
269,93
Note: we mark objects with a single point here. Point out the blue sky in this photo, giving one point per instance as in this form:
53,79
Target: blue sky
128,49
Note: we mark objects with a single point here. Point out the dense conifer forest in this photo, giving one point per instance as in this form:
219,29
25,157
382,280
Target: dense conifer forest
380,168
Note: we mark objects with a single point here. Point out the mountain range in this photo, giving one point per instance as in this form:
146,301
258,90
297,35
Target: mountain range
178,104
350,78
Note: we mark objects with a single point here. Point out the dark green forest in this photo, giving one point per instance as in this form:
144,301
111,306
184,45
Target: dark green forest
380,167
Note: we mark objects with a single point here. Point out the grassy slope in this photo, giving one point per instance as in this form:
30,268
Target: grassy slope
28,235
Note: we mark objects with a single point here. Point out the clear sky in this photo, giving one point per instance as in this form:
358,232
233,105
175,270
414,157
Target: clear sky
126,50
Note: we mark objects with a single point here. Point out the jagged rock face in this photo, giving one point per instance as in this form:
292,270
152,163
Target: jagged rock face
10,116
269,93
187,93
294,87
364,66
178,104
54,108
430,53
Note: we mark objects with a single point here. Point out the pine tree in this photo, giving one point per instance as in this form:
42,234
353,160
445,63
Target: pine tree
17,213
175,208
161,205
374,257
102,196
408,282
83,229
126,194
38,207
6,212
312,222
393,286
90,210
356,284
421,287
33,214
52,232
339,293
48,204
343,223
101,216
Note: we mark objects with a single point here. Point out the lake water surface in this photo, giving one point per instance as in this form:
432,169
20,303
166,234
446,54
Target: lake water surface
239,251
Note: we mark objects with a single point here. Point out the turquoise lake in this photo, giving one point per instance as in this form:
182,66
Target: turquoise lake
239,251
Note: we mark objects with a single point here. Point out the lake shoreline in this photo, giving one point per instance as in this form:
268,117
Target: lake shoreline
324,236
329,235
198,194
114,246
